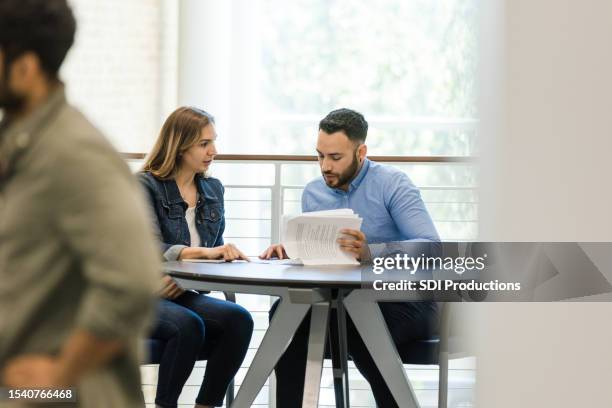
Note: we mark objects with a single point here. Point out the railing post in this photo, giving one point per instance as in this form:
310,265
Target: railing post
277,204
277,212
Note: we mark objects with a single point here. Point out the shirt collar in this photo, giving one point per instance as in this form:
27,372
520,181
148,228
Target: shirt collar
360,176
205,188
173,194
15,138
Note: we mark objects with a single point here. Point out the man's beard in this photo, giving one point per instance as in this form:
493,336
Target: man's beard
345,177
10,102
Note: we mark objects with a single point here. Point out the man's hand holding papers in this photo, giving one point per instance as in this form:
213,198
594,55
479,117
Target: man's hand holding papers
274,251
321,238
356,244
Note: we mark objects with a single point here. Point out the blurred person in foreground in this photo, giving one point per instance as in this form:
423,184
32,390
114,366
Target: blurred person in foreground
394,219
78,261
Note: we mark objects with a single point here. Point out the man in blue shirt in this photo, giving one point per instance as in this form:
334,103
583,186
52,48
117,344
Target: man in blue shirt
393,215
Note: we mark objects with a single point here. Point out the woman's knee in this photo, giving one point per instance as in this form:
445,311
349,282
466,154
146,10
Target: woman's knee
174,322
190,325
235,323
242,320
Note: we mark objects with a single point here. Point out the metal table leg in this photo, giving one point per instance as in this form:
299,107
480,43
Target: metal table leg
283,326
316,348
339,354
368,319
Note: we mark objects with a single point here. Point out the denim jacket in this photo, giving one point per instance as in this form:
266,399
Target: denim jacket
169,209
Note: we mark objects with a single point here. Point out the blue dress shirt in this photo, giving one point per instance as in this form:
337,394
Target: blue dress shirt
390,204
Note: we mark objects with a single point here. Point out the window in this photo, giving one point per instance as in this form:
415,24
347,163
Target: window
269,70
409,66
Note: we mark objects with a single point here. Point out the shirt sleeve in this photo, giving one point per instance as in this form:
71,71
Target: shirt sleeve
101,217
403,201
170,252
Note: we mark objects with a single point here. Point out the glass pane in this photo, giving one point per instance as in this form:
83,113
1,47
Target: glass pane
293,194
243,173
249,194
457,231
299,174
449,196
452,212
403,140
246,229
292,208
410,67
445,174
248,209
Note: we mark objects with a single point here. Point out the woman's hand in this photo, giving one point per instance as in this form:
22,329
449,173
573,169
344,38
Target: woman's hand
169,289
227,252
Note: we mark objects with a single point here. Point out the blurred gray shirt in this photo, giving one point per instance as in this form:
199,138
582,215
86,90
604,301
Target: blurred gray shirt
76,249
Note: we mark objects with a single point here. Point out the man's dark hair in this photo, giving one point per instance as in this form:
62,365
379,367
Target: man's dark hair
44,27
352,123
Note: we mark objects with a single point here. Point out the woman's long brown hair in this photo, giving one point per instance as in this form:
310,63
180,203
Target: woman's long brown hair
180,131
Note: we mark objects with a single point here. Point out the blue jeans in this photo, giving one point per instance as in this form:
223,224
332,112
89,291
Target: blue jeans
198,327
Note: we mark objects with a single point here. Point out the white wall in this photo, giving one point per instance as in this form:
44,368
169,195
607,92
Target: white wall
121,69
546,176
546,140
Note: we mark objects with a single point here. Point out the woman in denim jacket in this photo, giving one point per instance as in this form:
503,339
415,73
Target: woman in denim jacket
189,218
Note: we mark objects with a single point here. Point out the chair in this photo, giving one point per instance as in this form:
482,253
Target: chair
436,351
155,350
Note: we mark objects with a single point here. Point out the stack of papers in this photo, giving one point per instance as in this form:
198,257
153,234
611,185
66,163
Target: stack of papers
311,237
253,259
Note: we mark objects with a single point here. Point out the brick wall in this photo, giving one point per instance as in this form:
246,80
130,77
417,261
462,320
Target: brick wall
119,68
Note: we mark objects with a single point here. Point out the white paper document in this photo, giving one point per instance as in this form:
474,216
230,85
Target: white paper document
254,259
311,237
199,260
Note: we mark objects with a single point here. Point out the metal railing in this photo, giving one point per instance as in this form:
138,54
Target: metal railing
277,189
